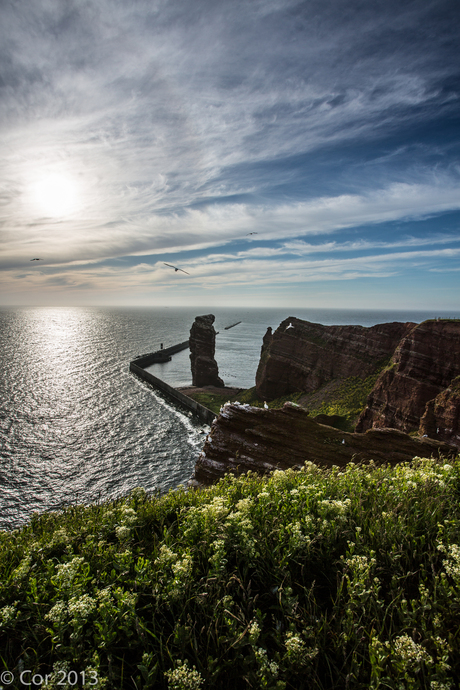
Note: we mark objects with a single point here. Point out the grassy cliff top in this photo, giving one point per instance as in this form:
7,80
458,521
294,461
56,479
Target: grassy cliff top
307,579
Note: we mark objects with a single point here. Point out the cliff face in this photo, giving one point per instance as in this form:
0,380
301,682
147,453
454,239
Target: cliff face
422,367
302,356
202,349
246,438
441,419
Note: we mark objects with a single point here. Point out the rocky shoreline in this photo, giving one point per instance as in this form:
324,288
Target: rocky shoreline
412,410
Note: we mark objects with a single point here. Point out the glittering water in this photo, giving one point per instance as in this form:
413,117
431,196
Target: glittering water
76,426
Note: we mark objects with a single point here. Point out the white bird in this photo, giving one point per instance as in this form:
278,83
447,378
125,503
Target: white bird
175,268
265,405
290,326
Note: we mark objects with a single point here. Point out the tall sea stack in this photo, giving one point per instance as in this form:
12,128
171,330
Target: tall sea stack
205,371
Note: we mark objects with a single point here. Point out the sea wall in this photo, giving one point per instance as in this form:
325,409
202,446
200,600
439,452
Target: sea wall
176,396
160,355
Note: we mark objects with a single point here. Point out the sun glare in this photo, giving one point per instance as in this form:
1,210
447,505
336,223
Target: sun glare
55,195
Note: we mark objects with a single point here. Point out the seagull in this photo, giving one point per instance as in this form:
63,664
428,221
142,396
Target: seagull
290,326
265,405
35,259
176,269
251,233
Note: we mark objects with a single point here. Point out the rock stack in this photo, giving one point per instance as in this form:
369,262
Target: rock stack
205,371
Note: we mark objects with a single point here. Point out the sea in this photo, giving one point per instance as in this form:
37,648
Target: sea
77,427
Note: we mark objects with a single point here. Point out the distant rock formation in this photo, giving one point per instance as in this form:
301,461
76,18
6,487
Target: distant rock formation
202,341
303,356
246,438
423,366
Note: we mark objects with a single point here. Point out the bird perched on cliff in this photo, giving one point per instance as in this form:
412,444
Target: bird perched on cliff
265,405
175,268
290,326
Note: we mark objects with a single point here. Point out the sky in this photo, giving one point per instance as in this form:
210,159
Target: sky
281,153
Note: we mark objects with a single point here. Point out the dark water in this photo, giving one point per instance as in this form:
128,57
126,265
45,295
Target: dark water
76,426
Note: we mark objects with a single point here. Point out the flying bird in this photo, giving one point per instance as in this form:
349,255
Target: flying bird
290,326
251,233
175,268
35,259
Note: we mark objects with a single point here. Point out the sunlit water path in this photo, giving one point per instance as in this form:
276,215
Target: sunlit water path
76,426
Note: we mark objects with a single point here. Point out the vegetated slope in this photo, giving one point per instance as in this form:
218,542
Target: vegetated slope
315,579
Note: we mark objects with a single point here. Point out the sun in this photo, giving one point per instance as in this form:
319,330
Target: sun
55,195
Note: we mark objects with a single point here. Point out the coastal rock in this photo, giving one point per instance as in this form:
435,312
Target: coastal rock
303,356
441,419
422,367
246,438
202,343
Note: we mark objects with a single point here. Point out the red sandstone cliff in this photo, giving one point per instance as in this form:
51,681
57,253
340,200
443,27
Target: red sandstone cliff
441,419
422,367
302,356
246,438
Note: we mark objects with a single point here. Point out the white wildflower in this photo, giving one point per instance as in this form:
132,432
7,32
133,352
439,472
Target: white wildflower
81,606
123,532
452,563
410,653
8,614
183,677
128,516
166,556
254,632
58,613
244,505
67,572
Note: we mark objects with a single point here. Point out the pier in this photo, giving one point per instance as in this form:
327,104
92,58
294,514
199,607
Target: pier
138,365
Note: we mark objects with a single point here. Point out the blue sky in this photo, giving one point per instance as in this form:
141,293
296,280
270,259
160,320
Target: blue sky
283,153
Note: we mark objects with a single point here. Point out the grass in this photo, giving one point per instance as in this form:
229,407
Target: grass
314,579
349,400
214,401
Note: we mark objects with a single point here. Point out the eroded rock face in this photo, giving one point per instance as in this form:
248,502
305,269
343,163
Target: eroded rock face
302,356
423,366
202,343
441,419
246,438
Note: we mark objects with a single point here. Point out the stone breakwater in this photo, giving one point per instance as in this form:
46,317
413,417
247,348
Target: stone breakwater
172,394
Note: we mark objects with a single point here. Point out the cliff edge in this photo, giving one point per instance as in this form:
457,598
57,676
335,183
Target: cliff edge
423,367
246,438
303,356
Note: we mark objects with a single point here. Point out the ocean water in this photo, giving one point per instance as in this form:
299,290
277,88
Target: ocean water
77,426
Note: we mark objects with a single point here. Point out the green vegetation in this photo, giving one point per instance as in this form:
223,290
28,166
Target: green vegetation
315,579
214,401
349,399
